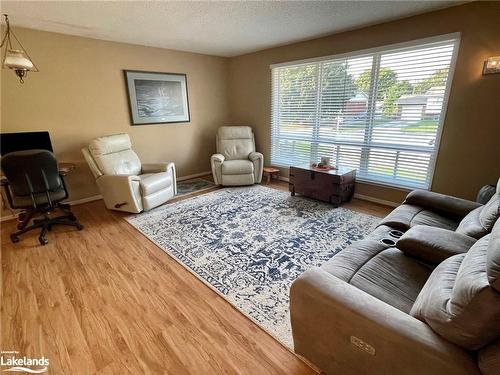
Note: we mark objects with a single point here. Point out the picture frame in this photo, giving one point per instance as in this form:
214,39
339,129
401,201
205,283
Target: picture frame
157,98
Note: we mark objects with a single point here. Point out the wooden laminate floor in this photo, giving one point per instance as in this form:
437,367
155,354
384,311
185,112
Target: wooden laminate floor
108,301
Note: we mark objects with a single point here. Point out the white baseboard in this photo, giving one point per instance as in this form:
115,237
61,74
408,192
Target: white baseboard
190,176
85,200
376,200
71,203
362,197
98,197
8,217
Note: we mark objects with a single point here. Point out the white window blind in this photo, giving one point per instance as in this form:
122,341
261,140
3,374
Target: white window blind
379,112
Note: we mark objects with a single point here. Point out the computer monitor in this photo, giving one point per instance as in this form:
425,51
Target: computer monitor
10,142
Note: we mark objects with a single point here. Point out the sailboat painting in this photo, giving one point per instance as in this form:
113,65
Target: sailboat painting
157,98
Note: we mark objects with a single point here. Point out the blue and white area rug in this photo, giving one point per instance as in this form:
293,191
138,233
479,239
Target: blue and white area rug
250,243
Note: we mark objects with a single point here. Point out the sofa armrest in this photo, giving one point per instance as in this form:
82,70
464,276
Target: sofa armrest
433,245
258,165
344,330
216,161
441,203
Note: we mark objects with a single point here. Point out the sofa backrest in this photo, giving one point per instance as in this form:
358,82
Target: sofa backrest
113,155
461,298
235,142
480,221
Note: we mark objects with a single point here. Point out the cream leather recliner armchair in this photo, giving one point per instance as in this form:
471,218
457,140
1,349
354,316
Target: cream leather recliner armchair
125,183
236,162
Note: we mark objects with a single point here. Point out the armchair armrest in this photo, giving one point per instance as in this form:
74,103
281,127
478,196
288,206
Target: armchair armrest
253,156
433,245
440,202
121,192
118,178
342,329
216,161
258,165
156,167
218,158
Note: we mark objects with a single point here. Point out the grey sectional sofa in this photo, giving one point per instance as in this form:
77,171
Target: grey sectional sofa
426,303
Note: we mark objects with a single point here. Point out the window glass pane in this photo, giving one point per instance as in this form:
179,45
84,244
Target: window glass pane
379,113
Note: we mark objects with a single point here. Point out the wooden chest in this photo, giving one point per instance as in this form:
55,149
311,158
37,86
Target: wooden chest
334,186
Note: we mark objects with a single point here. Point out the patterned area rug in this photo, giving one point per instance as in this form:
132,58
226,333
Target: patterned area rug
192,186
250,243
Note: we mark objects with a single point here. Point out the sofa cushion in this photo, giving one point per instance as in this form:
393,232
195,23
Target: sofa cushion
407,215
445,205
113,155
235,142
480,221
110,144
237,167
154,182
385,273
458,301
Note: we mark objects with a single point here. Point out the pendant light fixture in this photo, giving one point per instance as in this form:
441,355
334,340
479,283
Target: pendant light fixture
15,57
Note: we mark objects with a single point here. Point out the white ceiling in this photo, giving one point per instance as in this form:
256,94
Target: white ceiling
220,28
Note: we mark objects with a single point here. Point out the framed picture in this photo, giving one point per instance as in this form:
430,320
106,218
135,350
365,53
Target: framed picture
157,98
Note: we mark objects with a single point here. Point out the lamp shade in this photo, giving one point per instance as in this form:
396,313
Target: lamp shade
15,59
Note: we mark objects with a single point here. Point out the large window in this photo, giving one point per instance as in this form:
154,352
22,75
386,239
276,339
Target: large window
380,112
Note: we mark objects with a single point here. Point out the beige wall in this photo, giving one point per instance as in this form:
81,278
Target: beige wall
80,94
469,154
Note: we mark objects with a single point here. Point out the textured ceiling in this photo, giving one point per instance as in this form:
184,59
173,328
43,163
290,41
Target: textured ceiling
213,27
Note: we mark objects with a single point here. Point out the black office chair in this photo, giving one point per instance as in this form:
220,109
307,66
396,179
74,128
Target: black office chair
34,184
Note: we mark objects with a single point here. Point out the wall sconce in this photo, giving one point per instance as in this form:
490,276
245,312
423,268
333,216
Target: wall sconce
16,59
492,65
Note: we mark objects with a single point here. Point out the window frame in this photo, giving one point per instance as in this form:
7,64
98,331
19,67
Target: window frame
376,52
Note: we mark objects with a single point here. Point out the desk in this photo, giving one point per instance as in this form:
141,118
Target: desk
64,167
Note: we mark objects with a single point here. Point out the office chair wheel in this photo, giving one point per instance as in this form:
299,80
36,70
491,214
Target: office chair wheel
79,227
14,239
72,218
43,241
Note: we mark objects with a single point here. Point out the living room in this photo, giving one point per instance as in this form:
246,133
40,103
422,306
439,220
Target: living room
250,187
